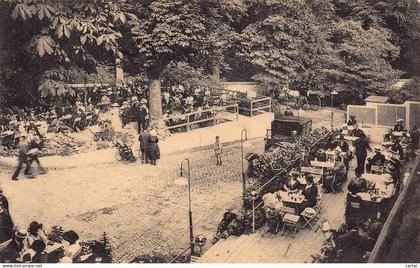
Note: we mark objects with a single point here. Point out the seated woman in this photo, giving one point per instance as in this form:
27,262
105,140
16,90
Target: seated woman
310,192
292,184
71,246
36,233
335,177
399,125
389,137
40,255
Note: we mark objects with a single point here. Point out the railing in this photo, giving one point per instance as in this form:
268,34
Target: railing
180,255
199,117
251,107
394,220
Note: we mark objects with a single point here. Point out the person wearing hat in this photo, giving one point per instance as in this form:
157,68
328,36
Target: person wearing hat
344,130
361,146
288,112
36,232
6,223
378,159
399,125
321,155
352,120
397,149
16,250
140,113
357,132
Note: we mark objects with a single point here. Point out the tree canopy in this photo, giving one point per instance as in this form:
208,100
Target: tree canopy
361,45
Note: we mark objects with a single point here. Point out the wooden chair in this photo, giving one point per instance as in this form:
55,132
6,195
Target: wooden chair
290,220
310,214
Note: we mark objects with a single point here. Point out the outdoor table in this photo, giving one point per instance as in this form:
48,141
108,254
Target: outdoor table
302,180
376,178
398,133
322,164
292,200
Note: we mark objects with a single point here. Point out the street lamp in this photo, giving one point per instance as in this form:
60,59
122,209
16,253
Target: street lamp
184,181
244,143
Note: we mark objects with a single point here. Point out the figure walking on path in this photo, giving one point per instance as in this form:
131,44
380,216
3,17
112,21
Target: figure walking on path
218,150
23,159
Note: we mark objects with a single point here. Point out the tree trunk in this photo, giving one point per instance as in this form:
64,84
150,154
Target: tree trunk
216,72
155,99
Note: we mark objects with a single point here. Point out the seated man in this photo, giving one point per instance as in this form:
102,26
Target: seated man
321,156
389,137
353,213
415,137
399,125
336,176
358,183
310,192
396,148
378,159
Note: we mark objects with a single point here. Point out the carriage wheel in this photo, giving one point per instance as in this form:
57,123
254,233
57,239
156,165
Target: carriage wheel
314,102
118,156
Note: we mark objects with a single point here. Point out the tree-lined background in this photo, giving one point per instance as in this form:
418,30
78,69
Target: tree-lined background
357,45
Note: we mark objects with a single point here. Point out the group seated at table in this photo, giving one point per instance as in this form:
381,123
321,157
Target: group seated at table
33,246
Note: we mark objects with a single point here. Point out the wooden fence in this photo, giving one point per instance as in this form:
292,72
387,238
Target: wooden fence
209,116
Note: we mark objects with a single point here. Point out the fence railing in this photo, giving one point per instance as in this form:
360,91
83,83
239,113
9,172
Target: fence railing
212,115
251,106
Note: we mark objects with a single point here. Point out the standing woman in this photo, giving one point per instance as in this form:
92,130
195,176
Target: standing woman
153,150
218,150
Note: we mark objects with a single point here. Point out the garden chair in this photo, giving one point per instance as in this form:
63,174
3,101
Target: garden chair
290,220
309,215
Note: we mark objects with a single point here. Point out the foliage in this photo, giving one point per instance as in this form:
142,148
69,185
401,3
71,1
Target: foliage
56,234
408,92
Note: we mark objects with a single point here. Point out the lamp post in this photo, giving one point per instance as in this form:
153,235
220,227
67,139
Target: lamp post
187,181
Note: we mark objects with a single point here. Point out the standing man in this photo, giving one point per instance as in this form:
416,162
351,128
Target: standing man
144,139
362,146
22,158
141,116
35,146
218,150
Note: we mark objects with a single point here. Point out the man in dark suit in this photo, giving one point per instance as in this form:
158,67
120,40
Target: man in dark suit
310,193
357,132
144,139
141,116
362,146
